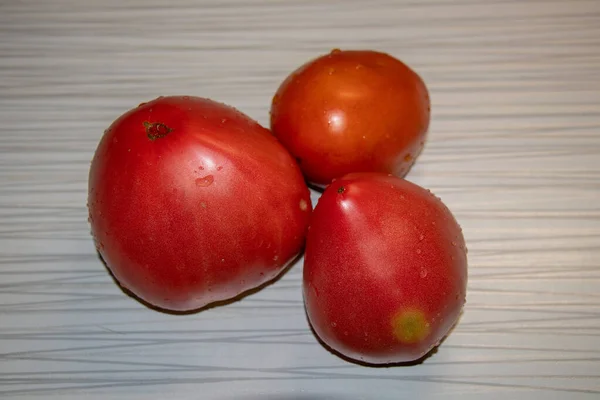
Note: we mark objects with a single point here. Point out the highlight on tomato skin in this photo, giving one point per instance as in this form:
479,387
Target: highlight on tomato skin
385,269
352,111
180,190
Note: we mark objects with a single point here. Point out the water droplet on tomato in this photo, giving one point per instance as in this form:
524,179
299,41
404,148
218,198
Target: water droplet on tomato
205,181
275,258
142,104
418,251
333,324
224,120
421,237
335,51
453,243
219,168
186,97
331,71
423,273
303,205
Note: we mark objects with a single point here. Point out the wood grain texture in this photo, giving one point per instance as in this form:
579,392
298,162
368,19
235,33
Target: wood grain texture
514,150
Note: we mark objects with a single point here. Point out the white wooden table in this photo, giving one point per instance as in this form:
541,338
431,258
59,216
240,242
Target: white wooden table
514,150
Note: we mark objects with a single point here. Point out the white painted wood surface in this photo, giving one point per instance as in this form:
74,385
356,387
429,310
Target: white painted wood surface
514,150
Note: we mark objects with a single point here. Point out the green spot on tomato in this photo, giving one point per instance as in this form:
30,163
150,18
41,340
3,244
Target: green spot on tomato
410,326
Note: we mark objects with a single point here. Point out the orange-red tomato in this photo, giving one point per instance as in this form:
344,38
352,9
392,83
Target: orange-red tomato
352,111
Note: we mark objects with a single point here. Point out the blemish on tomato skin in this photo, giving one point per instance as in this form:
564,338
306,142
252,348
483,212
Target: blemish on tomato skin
205,181
341,189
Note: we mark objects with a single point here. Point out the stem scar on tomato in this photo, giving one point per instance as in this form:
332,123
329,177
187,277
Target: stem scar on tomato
156,130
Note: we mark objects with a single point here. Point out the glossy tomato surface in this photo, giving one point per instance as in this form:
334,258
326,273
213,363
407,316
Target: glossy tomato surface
192,202
385,269
352,111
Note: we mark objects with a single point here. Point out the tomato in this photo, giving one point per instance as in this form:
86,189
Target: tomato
385,269
352,111
192,202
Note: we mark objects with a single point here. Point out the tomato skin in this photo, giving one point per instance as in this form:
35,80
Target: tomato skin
352,111
385,269
192,202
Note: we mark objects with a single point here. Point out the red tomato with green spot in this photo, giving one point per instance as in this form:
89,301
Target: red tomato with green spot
352,111
192,202
385,269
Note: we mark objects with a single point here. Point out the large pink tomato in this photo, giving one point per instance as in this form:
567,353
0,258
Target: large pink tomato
192,202
385,269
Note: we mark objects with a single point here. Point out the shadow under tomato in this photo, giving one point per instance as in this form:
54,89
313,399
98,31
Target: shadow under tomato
214,304
418,361
294,397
